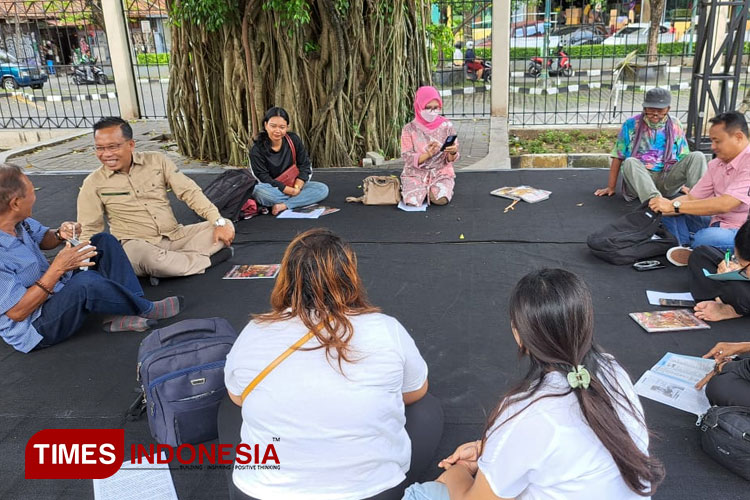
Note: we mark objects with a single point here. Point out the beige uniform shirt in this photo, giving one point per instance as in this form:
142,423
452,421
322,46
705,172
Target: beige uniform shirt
136,204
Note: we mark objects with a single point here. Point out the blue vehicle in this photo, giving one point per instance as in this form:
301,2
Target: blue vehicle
14,74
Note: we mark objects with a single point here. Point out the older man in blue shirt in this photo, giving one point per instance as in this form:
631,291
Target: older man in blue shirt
42,304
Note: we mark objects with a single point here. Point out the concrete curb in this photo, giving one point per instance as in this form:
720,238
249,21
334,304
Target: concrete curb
561,160
23,150
62,98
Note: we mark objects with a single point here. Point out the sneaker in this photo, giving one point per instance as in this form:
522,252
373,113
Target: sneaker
679,256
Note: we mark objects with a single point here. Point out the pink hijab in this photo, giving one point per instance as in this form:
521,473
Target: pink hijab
424,96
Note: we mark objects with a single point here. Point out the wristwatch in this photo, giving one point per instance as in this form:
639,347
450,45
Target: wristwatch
220,222
676,205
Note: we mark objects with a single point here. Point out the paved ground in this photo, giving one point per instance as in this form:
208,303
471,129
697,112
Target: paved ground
153,135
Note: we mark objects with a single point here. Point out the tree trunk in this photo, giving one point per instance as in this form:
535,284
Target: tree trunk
346,78
657,10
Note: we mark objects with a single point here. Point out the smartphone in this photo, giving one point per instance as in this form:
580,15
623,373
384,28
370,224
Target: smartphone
74,243
676,303
448,142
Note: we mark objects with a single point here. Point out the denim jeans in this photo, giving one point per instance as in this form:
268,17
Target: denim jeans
427,491
108,287
267,195
685,227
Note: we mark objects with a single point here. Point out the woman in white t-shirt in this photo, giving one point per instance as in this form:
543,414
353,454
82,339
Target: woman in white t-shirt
347,414
573,428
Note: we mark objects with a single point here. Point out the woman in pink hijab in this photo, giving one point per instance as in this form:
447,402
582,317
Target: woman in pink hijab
428,172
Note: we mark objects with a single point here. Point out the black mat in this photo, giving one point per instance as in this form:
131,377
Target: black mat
451,295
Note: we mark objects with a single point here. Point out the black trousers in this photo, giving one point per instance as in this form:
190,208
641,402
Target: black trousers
424,425
731,387
735,293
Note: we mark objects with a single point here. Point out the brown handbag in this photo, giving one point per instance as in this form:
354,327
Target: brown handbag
290,175
379,190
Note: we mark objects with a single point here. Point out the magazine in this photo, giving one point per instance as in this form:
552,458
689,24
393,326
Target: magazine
252,271
672,381
525,193
669,321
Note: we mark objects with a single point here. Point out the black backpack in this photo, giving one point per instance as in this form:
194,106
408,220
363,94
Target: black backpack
229,191
725,437
633,237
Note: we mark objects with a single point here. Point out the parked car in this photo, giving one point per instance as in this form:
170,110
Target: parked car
14,74
581,34
637,34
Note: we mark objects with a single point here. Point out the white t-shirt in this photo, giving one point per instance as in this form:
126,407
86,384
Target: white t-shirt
549,452
337,437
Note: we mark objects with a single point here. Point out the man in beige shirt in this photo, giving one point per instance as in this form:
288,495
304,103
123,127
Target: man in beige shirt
130,190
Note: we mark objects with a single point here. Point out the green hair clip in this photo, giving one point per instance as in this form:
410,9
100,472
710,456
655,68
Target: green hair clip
579,377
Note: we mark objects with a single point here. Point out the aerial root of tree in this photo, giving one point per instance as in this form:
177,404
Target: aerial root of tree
347,78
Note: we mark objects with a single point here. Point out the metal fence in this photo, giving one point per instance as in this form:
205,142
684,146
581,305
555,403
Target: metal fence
597,69
458,70
150,42
55,64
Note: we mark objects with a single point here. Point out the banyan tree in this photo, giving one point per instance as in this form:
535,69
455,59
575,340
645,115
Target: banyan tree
346,70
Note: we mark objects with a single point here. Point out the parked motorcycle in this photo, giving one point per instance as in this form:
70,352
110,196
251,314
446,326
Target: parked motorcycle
81,76
471,74
561,68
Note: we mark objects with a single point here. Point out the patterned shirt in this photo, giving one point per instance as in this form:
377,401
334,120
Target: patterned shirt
22,264
136,204
652,144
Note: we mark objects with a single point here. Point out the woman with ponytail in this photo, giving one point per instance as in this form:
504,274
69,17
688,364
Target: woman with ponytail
572,428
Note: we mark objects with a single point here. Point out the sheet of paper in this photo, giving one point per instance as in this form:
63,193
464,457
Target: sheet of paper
654,296
143,481
688,369
672,392
291,214
407,208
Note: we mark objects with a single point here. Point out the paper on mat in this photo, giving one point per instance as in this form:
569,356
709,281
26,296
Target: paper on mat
407,208
291,214
143,481
672,381
654,296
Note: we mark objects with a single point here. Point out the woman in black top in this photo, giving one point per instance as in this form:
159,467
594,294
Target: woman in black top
273,154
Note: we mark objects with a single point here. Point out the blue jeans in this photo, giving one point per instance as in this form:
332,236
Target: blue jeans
685,227
427,491
109,287
51,67
268,195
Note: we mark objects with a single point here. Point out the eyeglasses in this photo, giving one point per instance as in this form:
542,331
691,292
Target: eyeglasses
110,149
432,108
655,111
742,269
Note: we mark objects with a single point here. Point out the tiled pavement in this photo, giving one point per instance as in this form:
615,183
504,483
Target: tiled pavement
152,135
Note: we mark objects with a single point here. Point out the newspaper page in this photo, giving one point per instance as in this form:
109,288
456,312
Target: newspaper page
137,482
672,381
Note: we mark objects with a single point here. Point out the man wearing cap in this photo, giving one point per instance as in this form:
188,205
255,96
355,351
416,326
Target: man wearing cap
717,206
652,150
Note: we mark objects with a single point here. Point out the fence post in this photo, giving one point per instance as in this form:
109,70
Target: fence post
499,93
119,52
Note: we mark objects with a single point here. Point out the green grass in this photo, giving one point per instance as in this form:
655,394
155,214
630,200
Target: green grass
560,141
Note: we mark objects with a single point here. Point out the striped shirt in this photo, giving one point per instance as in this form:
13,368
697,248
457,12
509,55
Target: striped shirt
22,264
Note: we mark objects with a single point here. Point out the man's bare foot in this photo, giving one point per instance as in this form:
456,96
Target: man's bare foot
278,208
715,310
